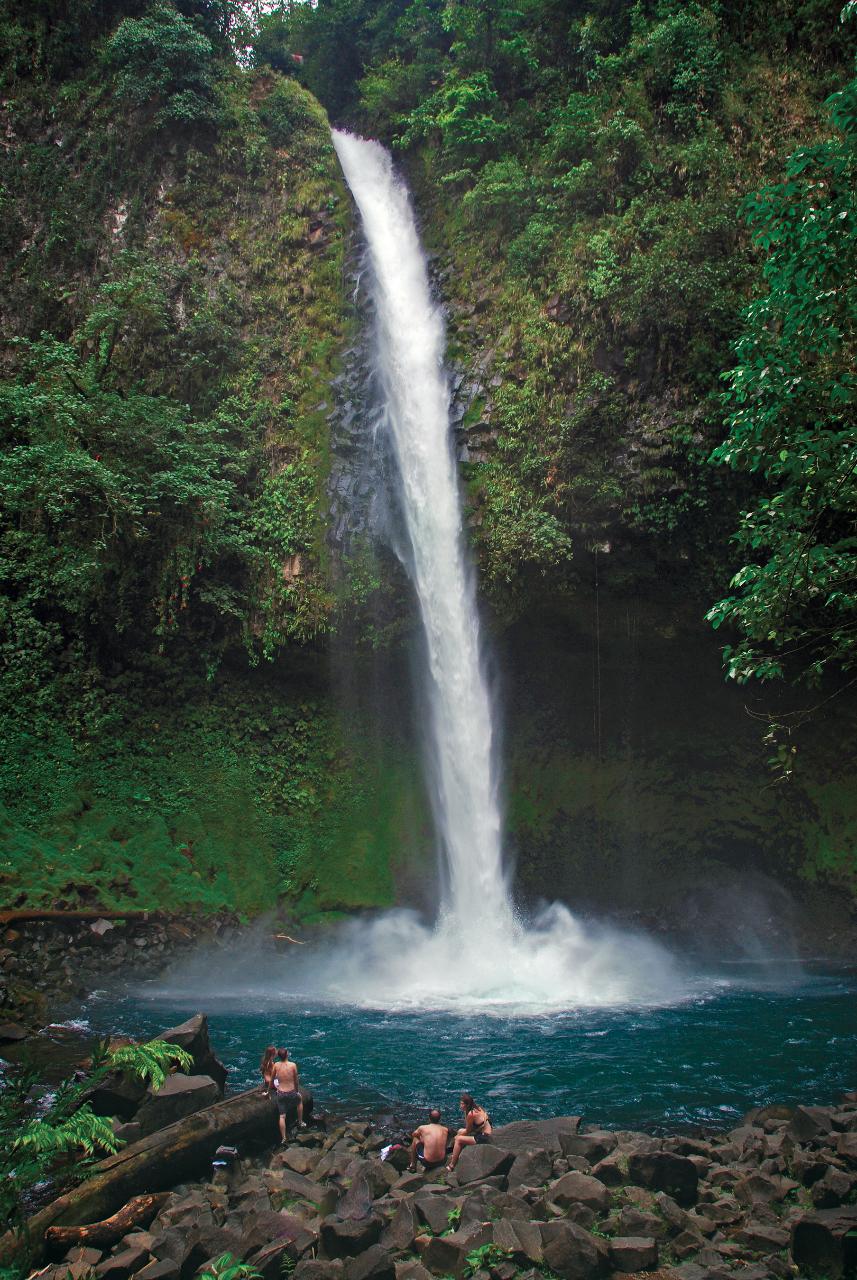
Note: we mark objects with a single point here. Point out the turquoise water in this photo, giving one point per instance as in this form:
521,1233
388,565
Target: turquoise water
739,1042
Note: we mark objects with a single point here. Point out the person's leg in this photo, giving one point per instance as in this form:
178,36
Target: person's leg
462,1140
300,1110
282,1120
412,1160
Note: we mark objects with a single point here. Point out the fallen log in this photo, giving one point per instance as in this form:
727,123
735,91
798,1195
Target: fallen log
155,1163
138,1212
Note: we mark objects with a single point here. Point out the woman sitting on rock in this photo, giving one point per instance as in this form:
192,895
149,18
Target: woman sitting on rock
266,1066
477,1129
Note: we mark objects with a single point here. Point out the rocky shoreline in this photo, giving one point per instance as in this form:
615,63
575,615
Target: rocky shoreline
774,1197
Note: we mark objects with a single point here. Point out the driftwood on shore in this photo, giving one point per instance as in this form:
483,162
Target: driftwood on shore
138,1212
156,1163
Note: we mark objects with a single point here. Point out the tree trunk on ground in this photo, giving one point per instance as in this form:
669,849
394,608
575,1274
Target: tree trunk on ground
137,1212
154,1164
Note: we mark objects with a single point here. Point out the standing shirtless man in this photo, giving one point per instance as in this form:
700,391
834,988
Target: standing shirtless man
287,1090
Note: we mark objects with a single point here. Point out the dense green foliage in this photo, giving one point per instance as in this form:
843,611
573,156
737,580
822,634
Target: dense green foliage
582,173
792,400
62,1138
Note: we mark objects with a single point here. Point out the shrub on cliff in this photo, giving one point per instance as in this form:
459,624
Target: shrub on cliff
165,66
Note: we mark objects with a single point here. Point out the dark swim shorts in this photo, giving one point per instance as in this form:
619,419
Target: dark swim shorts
480,1138
428,1164
287,1100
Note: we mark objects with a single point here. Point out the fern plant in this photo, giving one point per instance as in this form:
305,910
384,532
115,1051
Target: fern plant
43,1136
226,1267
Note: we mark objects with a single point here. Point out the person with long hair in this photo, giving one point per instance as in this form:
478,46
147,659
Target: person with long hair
266,1066
477,1129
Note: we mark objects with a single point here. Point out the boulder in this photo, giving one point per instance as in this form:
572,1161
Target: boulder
637,1223
122,1265
402,1229
447,1255
578,1188
483,1161
809,1123
346,1237
265,1227
178,1097
762,1237
13,1032
832,1189
358,1199
411,1270
759,1188
533,1135
434,1210
273,1259
300,1159
160,1269
633,1253
592,1146
531,1168
374,1263
826,1242
609,1171
663,1171
571,1252
846,1146
297,1185
319,1269
192,1036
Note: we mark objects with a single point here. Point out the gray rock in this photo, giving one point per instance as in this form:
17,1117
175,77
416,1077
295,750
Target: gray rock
346,1237
533,1135
160,1269
846,1146
759,1188
663,1171
686,1243
319,1269
192,1036
578,1188
571,1252
531,1168
13,1032
374,1263
122,1265
826,1242
297,1185
609,1171
809,1123
593,1146
434,1209
633,1253
832,1189
483,1161
447,1255
178,1097
402,1229
761,1237
270,1260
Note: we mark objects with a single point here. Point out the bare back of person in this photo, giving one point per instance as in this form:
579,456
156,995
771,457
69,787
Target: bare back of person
285,1077
433,1138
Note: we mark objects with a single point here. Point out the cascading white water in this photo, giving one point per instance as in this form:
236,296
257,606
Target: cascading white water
477,954
409,352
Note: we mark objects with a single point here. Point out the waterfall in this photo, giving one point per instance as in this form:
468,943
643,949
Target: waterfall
477,954
409,355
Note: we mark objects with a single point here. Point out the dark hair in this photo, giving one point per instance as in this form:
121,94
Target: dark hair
434,1115
468,1101
269,1055
282,1054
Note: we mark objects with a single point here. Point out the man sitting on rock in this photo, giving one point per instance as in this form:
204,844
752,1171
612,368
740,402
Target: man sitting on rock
287,1091
429,1143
